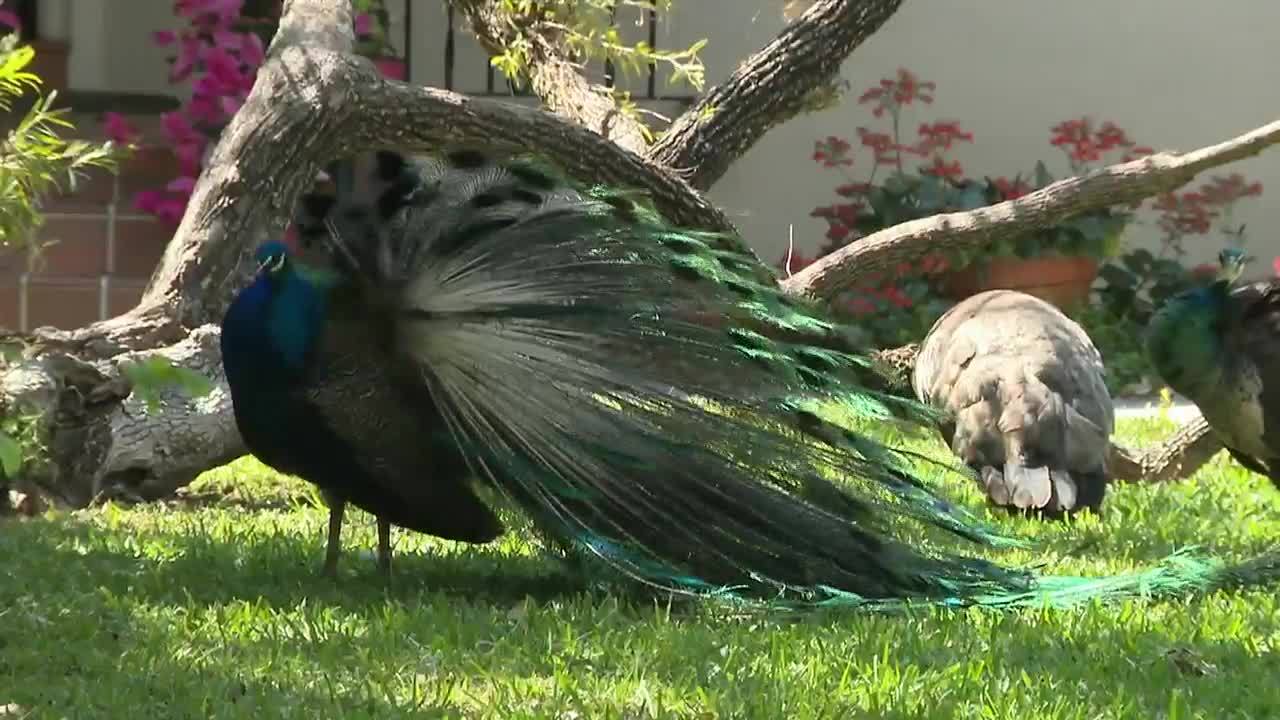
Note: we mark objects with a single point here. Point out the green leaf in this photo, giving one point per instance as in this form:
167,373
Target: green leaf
1030,246
1139,261
10,455
1091,228
1042,175
931,196
884,206
972,197
1117,276
1168,270
150,377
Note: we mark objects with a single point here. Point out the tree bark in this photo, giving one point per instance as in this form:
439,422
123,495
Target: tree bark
1177,458
95,440
774,85
555,79
314,100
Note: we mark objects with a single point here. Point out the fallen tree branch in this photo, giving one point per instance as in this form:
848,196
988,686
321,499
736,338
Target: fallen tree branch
1177,458
419,118
555,79
772,86
1113,185
69,385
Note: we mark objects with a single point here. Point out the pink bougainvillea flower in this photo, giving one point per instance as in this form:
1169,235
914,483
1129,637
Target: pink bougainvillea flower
231,104
164,38
251,52
118,128
190,158
1275,266
204,109
363,24
10,18
177,127
164,206
222,12
226,40
209,88
185,62
223,68
181,185
148,200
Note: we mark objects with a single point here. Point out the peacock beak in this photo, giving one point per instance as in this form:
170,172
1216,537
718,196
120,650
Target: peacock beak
271,264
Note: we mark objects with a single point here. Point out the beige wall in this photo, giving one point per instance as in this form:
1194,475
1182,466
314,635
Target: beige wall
1176,73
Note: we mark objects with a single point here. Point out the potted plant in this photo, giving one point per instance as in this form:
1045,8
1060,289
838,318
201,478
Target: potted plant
1058,263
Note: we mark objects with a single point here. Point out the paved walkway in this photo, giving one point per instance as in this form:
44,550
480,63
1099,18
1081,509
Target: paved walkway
1181,411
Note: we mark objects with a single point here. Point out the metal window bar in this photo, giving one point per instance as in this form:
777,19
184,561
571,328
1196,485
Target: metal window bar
609,70
28,13
408,40
653,43
450,50
519,88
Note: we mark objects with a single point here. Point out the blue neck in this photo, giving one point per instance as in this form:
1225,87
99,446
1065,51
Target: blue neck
271,329
1184,341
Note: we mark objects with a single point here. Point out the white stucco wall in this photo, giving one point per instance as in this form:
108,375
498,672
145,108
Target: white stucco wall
1176,74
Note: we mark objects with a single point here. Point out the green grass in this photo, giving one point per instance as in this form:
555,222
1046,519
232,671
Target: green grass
216,609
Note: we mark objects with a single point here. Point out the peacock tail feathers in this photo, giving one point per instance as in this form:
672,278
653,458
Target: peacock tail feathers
646,394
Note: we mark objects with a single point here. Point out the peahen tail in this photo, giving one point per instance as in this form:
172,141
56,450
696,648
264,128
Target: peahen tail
644,396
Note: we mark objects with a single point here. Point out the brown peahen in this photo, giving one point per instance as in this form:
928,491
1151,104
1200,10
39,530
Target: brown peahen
1026,401
642,392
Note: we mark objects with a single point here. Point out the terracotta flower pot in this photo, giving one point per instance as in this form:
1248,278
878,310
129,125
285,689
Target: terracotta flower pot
1063,281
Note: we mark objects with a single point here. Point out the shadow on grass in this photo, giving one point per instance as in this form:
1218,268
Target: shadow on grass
208,568
220,614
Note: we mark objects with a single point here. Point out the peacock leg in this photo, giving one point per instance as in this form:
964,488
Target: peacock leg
337,506
384,547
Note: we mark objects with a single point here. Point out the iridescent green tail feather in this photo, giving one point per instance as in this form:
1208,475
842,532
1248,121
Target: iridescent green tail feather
647,395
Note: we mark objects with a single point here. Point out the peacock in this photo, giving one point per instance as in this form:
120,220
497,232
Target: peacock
1219,346
642,393
1026,400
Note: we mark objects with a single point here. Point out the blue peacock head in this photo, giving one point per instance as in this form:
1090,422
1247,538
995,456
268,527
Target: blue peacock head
272,257
1231,263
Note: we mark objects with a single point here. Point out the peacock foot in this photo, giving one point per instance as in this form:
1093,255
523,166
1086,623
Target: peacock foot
337,508
384,549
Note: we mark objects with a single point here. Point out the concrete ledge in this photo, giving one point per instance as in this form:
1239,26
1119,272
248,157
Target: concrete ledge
1181,411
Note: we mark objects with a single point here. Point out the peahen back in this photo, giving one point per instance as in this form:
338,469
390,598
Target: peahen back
635,390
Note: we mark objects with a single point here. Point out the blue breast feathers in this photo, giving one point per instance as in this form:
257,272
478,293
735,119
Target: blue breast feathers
272,327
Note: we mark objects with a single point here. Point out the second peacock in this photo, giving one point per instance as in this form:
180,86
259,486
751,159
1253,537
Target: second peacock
1219,346
642,392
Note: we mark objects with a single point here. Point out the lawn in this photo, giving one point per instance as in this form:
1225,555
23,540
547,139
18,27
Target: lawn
214,607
